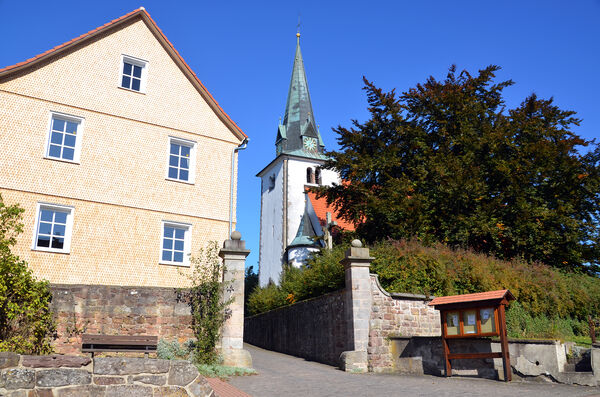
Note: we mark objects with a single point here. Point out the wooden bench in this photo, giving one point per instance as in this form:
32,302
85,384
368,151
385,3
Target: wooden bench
118,343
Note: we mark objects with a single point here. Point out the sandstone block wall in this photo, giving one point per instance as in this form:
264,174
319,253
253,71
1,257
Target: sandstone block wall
314,329
317,329
69,376
396,315
113,310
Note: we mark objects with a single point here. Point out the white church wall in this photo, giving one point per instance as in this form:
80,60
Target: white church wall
296,183
271,225
299,255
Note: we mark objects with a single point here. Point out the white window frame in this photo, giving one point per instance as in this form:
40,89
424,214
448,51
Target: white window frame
187,242
137,62
68,228
192,171
78,136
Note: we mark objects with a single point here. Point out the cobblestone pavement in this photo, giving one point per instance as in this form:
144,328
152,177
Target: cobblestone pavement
283,375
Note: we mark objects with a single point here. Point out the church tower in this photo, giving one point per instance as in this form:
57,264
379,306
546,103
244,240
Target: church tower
289,226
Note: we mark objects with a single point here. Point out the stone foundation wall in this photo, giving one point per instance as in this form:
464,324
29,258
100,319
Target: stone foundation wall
75,376
314,329
115,310
528,358
396,315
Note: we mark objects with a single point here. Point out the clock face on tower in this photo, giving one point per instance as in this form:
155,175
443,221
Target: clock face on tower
310,144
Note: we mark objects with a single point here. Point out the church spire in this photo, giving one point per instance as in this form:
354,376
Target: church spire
298,134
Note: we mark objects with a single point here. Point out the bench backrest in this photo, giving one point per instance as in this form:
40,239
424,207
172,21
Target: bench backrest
92,343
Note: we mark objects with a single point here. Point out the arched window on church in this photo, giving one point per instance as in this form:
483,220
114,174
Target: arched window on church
318,176
310,176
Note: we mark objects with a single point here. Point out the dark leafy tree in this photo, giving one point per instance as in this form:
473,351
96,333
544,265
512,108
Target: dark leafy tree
447,161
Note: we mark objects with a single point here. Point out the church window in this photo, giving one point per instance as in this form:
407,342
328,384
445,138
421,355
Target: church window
133,73
310,175
175,248
272,182
318,176
182,160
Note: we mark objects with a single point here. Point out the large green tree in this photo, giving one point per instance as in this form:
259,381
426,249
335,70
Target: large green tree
448,161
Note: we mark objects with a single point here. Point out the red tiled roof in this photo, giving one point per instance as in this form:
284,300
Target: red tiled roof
322,208
148,19
479,296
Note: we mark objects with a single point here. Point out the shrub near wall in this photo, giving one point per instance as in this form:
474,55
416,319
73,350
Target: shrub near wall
324,273
408,266
543,293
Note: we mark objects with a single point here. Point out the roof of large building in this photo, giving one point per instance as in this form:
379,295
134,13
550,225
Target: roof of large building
143,14
322,208
299,119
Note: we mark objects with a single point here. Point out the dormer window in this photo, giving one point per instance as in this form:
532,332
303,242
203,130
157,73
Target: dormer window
133,73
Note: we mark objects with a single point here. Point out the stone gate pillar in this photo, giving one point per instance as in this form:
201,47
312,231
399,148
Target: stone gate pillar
357,307
234,255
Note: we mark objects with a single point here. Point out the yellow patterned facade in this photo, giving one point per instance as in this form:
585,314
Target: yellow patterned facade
119,189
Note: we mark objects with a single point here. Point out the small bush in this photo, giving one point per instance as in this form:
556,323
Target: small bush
205,297
26,322
223,372
172,350
322,274
521,324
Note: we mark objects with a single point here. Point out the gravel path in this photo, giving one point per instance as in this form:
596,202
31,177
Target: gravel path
283,375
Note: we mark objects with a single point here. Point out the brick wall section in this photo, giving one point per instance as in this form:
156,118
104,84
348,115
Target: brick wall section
314,329
396,315
113,310
118,190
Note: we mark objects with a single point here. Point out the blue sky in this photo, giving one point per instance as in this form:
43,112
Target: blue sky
243,53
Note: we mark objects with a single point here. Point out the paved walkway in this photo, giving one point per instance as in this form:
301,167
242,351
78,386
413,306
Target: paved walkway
283,375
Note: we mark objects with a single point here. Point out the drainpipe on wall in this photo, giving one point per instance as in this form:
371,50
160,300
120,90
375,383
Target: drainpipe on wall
242,146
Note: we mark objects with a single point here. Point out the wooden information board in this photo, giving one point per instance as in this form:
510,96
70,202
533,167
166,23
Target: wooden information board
474,315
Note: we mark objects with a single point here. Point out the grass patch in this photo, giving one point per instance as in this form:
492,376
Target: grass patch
222,371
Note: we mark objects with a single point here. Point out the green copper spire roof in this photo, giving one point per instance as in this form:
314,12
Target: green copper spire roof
306,235
298,134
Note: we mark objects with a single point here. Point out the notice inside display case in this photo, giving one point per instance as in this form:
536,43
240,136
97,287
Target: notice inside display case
470,322
452,323
488,320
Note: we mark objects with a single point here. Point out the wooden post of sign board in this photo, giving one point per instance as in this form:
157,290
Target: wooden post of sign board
504,344
445,346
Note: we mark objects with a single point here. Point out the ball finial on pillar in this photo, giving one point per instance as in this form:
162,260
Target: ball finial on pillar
356,243
236,235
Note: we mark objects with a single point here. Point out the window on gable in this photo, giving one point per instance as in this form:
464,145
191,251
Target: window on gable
182,160
133,73
175,248
53,228
64,138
